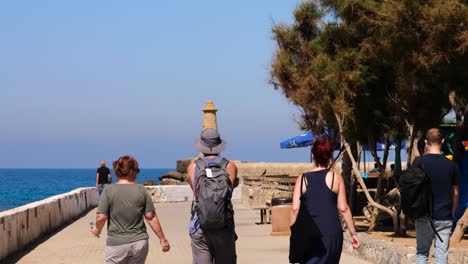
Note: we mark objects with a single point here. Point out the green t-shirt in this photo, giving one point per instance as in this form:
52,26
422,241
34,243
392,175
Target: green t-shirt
125,206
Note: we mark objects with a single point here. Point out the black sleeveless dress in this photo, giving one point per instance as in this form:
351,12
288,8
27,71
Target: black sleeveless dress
321,203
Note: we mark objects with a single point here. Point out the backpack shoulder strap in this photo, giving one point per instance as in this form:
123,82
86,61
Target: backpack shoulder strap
200,164
201,167
422,164
223,163
416,162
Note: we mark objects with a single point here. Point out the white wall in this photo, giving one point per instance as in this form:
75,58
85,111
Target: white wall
22,225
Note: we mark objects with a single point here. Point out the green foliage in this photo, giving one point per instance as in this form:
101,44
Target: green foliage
377,65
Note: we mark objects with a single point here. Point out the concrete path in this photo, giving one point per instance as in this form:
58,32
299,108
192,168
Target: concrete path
75,244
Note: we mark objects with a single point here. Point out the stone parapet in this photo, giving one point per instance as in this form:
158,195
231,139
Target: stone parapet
381,251
270,168
23,225
245,168
178,193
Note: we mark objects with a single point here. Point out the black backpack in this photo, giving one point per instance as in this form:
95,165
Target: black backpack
212,195
416,193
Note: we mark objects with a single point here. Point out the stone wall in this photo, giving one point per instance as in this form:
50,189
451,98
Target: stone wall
381,251
246,168
25,224
178,193
270,168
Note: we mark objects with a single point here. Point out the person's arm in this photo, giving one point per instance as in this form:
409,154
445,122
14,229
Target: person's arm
296,201
100,221
190,173
102,213
109,178
455,182
344,210
153,221
455,199
232,171
97,179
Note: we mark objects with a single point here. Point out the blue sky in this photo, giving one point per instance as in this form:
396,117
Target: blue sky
88,80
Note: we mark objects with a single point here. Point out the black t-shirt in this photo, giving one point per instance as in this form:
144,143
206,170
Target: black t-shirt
103,172
444,175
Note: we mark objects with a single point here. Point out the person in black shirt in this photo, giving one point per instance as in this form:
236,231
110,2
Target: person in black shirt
444,176
103,177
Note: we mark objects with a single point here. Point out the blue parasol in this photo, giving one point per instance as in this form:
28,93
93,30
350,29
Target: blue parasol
303,140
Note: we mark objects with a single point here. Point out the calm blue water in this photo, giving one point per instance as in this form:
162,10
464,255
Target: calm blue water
22,186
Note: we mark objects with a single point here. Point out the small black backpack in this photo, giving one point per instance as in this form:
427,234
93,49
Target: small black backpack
212,195
416,193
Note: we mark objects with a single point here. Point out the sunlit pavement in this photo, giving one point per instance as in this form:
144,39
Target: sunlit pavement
75,244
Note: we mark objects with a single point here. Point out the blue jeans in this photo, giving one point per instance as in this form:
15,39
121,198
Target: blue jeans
101,188
425,235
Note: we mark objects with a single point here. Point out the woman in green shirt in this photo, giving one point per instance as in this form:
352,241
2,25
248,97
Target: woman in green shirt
124,205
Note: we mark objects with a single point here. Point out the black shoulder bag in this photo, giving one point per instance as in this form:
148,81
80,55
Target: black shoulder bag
304,234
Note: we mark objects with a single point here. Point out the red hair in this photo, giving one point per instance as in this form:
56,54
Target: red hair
322,151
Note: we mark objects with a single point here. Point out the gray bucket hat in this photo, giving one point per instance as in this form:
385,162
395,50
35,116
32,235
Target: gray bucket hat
210,142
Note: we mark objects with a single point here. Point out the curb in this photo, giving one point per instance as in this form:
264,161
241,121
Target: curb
381,251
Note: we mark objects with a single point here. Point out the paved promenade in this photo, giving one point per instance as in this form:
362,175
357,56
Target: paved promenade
75,244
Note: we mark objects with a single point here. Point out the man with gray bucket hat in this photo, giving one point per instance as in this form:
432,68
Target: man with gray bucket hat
213,179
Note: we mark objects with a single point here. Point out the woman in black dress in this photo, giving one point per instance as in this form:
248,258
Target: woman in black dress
324,196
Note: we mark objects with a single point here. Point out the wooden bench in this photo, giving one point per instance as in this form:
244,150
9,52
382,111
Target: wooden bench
257,192
253,198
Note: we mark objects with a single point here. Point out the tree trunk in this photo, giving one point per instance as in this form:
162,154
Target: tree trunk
366,192
413,137
358,176
378,195
380,185
402,219
346,169
459,231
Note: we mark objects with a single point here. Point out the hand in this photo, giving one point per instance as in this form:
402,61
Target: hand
355,241
165,245
95,232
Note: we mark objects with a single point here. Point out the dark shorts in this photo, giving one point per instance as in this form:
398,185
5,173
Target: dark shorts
214,247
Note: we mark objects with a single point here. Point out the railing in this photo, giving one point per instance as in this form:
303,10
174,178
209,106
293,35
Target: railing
257,191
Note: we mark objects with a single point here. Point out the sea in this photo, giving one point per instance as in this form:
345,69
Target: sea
22,186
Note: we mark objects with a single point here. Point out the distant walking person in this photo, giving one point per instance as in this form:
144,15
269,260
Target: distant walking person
444,177
124,205
324,195
212,179
103,177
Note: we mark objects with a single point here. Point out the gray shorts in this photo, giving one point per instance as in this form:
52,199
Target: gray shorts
217,247
131,253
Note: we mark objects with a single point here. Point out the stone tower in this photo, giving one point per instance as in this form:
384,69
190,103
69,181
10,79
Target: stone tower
209,116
